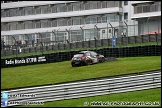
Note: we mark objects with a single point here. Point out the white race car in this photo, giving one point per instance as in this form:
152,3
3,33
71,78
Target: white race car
87,58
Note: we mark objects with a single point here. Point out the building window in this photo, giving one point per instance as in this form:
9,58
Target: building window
104,19
61,8
18,26
93,5
146,9
81,21
112,17
111,3
29,11
104,4
116,4
64,22
3,13
139,9
76,7
82,6
22,11
70,7
54,9
7,27
38,10
38,24
18,11
11,11
70,22
125,2
116,19
93,19
120,17
76,21
64,8
22,25
87,6
13,26
152,8
60,22
135,10
3,26
125,16
44,23
98,4
28,24
98,19
87,20
49,23
46,9
8,13
157,8
54,23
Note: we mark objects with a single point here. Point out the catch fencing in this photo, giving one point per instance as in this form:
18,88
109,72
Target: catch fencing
86,88
88,44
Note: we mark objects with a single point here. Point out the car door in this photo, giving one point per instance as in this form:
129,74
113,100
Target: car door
94,57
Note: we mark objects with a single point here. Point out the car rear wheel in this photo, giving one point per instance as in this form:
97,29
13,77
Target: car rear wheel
73,64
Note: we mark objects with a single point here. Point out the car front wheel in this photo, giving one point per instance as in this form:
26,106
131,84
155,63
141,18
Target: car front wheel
88,62
102,60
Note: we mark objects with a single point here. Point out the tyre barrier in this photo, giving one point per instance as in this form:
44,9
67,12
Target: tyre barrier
151,50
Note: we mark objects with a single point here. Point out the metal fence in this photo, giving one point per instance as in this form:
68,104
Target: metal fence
69,38
86,45
86,88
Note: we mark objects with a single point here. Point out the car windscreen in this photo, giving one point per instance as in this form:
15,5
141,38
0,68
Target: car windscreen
78,55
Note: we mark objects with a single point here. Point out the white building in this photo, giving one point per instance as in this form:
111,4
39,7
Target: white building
58,21
148,15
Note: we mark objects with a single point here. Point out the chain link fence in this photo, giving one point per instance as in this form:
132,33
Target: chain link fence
92,36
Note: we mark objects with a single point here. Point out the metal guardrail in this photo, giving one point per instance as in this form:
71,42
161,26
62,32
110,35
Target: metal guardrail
109,85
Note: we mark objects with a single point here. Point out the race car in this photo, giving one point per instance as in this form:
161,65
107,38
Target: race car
86,58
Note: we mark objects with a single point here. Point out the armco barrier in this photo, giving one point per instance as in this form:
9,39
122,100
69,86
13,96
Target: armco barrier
85,88
151,50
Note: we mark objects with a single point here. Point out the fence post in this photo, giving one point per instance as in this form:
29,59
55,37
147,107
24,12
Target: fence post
41,42
15,45
42,47
95,43
126,32
68,44
68,33
2,43
82,32
156,38
95,37
27,41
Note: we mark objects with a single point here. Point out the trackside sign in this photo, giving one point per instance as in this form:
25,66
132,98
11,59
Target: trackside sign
26,60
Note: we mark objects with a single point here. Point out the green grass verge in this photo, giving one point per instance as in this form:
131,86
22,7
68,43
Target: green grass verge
145,96
78,49
52,73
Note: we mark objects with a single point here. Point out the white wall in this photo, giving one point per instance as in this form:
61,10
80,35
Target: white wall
61,14
30,3
128,8
145,15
